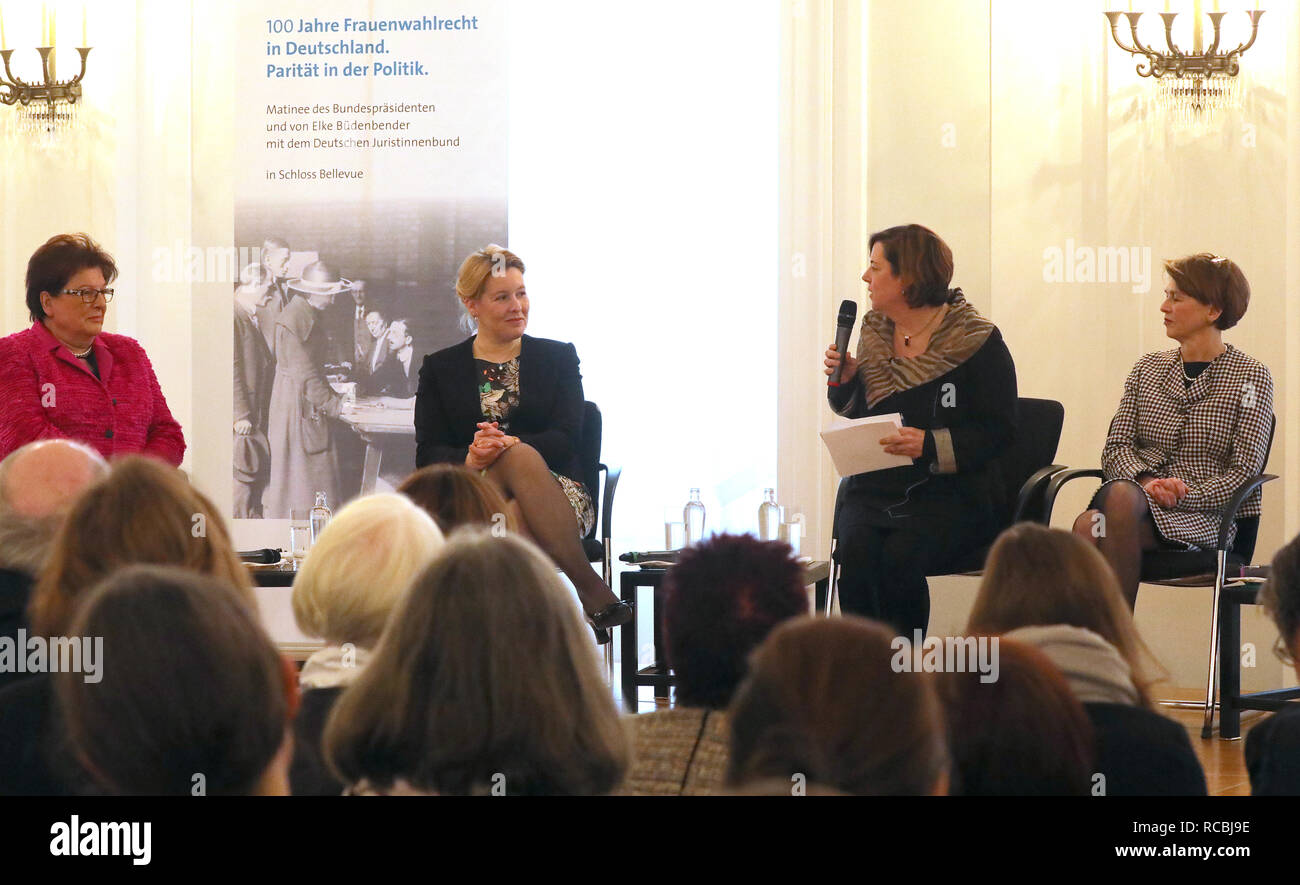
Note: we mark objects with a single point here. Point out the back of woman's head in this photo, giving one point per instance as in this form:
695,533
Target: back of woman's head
1037,576
1280,597
485,672
192,694
722,598
143,512
455,496
360,566
823,700
1022,734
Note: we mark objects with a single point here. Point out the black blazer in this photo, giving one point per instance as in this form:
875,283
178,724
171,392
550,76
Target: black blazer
1142,753
549,417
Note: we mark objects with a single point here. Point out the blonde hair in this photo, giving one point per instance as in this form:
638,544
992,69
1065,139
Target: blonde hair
1037,576
492,260
360,566
142,512
486,670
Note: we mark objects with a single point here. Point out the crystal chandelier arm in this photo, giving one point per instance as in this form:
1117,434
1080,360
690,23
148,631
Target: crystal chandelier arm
1113,17
1216,19
83,51
1168,18
13,82
1133,27
1254,31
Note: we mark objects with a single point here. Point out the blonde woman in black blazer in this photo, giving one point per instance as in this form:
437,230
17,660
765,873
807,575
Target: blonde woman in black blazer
510,406
1192,425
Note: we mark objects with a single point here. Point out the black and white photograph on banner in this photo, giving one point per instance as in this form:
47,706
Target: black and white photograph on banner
365,184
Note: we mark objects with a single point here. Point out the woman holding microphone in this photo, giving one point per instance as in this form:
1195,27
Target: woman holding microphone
926,353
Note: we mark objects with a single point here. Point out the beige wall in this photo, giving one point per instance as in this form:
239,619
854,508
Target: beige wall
987,124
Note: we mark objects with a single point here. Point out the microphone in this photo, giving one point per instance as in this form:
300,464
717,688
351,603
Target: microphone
843,328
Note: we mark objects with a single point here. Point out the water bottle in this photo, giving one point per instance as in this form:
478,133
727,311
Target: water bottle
320,516
693,516
769,516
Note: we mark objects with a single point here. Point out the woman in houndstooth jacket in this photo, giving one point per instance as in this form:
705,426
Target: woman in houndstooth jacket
1192,425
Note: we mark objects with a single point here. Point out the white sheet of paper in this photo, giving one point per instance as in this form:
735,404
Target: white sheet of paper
854,444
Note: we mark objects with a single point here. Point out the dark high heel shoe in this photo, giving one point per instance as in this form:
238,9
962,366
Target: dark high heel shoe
614,615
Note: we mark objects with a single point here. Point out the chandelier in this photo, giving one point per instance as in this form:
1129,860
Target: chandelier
1193,85
48,105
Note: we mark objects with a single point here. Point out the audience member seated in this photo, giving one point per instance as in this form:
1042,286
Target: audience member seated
1273,746
143,512
1022,734
455,496
823,708
38,483
1053,590
721,600
212,720
352,579
485,682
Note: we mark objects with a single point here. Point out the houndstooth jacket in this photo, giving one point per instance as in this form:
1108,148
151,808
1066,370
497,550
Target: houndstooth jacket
1213,436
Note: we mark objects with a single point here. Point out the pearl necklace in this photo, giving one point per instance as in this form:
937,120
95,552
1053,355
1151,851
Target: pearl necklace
85,353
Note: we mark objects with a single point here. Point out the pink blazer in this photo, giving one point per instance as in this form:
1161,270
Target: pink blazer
47,393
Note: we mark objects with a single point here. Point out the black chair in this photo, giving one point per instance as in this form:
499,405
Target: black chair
1193,568
596,543
1024,469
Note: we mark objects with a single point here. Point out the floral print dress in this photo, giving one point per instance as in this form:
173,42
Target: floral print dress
498,393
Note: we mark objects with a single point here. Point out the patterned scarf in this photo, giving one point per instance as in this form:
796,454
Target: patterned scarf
962,332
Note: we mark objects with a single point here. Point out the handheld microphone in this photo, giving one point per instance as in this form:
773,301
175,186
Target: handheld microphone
843,328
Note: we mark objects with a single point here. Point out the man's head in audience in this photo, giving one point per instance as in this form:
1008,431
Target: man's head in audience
194,696
399,334
1280,597
375,323
823,704
723,597
38,484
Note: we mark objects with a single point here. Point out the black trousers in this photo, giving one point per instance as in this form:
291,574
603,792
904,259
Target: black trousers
883,562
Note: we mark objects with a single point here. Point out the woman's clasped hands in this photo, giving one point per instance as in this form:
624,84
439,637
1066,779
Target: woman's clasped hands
1167,492
489,442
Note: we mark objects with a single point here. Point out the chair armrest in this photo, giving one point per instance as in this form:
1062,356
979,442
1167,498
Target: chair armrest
607,500
1030,490
1059,479
1234,504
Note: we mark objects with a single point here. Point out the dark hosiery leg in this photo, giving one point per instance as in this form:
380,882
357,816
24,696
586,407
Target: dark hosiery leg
1125,530
521,473
904,591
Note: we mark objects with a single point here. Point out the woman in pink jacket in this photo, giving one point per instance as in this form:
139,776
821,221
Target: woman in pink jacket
65,377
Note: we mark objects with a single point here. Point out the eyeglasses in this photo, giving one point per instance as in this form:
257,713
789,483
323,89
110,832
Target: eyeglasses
89,295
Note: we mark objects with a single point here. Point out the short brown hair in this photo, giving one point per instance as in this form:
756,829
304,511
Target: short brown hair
192,686
923,261
1217,282
485,669
455,496
1280,597
59,260
1039,576
822,699
1023,734
144,512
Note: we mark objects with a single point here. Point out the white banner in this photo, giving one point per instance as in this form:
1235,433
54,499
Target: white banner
371,160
